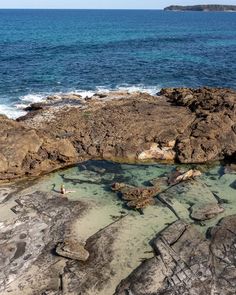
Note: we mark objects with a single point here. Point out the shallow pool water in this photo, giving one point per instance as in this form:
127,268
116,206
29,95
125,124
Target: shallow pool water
91,182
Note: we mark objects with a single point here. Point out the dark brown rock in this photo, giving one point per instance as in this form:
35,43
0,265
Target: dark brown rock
137,197
211,136
187,125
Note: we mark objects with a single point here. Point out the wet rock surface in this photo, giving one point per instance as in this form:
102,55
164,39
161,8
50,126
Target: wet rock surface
186,125
73,249
42,253
187,263
42,220
136,197
205,211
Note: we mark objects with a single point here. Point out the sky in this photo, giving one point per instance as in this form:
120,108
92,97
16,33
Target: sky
105,4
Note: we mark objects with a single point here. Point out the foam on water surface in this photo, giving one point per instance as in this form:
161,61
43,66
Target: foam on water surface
11,111
16,110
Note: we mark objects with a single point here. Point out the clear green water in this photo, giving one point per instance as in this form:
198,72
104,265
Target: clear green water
91,183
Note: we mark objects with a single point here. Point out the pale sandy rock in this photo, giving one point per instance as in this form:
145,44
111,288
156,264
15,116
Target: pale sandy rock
157,153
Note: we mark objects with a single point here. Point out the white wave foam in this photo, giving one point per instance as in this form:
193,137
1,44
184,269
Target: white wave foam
33,98
83,93
11,111
152,90
17,110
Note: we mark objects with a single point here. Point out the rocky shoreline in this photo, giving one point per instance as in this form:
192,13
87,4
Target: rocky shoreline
42,251
182,125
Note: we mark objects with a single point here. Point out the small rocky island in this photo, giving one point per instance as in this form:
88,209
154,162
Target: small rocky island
173,234
210,7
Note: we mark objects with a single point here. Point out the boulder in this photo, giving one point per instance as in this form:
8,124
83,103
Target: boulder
158,153
73,249
137,197
178,176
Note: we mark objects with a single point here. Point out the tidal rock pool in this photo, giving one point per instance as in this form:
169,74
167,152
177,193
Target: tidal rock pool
119,237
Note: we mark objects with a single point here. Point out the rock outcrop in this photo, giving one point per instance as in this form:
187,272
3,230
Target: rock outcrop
137,197
187,263
212,135
184,125
26,151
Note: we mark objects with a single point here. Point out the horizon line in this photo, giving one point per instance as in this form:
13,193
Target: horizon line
60,8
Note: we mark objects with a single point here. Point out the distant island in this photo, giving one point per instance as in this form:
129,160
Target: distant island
211,7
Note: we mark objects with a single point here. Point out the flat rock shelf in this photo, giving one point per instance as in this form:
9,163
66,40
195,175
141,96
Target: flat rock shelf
177,125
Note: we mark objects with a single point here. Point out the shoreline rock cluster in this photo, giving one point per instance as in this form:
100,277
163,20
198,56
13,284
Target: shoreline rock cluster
181,124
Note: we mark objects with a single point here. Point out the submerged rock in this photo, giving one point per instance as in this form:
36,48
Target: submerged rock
233,184
205,211
178,176
187,263
230,169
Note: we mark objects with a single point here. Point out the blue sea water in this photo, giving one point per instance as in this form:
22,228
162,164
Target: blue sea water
47,51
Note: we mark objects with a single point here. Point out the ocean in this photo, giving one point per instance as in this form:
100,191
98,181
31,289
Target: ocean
50,51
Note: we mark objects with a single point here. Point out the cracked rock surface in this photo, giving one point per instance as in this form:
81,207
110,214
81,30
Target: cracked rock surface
42,221
188,263
186,125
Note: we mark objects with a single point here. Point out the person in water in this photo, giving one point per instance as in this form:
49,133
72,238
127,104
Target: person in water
63,191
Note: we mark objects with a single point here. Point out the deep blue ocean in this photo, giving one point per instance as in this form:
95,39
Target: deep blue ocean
47,51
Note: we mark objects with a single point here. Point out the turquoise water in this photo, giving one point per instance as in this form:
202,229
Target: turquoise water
46,51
